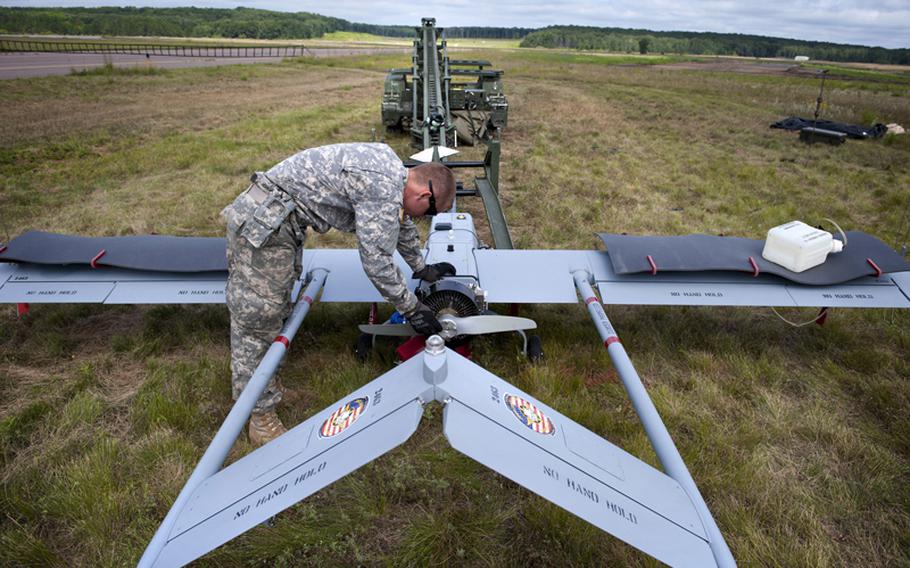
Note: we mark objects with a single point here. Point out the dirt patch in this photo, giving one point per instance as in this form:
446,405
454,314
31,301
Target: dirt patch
780,68
169,106
877,67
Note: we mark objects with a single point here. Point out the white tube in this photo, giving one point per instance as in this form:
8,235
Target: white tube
224,439
654,427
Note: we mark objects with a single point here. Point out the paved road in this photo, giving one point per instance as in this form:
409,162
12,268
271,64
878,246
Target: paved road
16,65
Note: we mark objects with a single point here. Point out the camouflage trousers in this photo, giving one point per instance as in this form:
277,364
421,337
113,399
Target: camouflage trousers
259,287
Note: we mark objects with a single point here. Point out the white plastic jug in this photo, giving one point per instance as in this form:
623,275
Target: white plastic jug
797,246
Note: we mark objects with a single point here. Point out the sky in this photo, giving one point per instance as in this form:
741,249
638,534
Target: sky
883,23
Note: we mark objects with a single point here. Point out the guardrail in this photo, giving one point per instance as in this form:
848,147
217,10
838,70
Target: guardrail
26,46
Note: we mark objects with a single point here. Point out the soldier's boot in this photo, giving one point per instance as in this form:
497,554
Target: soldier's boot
265,427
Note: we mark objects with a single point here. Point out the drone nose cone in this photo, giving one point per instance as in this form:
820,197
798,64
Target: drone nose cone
449,327
435,345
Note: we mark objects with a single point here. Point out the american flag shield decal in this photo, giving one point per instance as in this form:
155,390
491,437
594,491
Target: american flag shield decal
341,419
529,415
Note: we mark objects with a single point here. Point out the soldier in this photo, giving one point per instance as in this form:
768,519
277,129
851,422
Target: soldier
356,188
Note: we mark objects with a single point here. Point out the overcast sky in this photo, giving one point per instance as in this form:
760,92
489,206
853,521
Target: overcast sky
872,22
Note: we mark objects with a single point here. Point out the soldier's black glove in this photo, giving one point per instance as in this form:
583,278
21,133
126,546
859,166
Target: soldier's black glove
423,320
433,272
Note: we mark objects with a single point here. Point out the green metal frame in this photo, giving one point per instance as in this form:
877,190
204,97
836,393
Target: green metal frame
488,188
431,76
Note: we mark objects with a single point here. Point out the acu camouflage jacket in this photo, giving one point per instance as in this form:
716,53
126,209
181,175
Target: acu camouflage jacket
357,188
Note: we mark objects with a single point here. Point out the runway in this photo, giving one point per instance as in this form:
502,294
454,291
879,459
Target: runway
37,64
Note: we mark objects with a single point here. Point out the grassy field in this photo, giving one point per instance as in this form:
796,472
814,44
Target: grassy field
900,75
798,438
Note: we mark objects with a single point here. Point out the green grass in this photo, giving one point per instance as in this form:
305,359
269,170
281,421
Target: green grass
354,36
798,439
551,57
360,37
861,73
479,43
109,69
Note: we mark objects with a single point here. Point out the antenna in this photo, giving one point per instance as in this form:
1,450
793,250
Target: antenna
818,101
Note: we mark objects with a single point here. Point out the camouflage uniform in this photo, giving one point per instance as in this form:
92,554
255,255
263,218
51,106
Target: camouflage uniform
356,188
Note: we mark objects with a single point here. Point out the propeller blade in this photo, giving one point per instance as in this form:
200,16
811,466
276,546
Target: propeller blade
479,325
454,326
427,155
389,329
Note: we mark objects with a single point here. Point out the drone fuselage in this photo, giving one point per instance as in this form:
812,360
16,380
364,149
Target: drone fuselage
453,239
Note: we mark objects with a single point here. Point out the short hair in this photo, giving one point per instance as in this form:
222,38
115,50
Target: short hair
443,182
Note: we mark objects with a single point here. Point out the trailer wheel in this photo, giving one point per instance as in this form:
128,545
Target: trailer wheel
535,349
364,347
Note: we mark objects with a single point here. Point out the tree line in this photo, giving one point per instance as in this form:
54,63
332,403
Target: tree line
168,22
457,32
208,22
706,43
265,24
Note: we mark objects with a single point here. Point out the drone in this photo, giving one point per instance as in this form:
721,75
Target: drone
661,513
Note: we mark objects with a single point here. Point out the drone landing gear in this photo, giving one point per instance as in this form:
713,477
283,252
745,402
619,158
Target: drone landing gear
534,349
364,346
366,341
531,346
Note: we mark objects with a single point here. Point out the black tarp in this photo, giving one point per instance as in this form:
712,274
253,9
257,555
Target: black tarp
157,253
851,130
629,255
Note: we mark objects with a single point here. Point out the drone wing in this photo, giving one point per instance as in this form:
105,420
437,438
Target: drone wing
525,440
737,289
537,276
347,282
336,441
23,283
42,267
48,268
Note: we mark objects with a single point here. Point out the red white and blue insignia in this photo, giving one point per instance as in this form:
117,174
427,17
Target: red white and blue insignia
341,419
530,415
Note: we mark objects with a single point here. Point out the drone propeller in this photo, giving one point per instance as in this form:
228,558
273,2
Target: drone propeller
453,326
478,325
428,154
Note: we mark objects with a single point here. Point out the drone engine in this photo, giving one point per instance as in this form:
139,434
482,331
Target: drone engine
453,297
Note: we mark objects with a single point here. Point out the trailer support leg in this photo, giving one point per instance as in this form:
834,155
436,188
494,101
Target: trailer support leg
217,452
654,427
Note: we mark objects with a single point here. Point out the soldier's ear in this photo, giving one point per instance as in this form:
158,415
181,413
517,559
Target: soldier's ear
415,190
409,184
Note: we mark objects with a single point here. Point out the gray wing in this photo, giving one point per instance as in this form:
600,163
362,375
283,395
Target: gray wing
516,276
79,284
307,458
571,466
508,276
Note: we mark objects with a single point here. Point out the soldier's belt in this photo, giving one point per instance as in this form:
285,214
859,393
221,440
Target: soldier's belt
266,184
263,189
257,193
